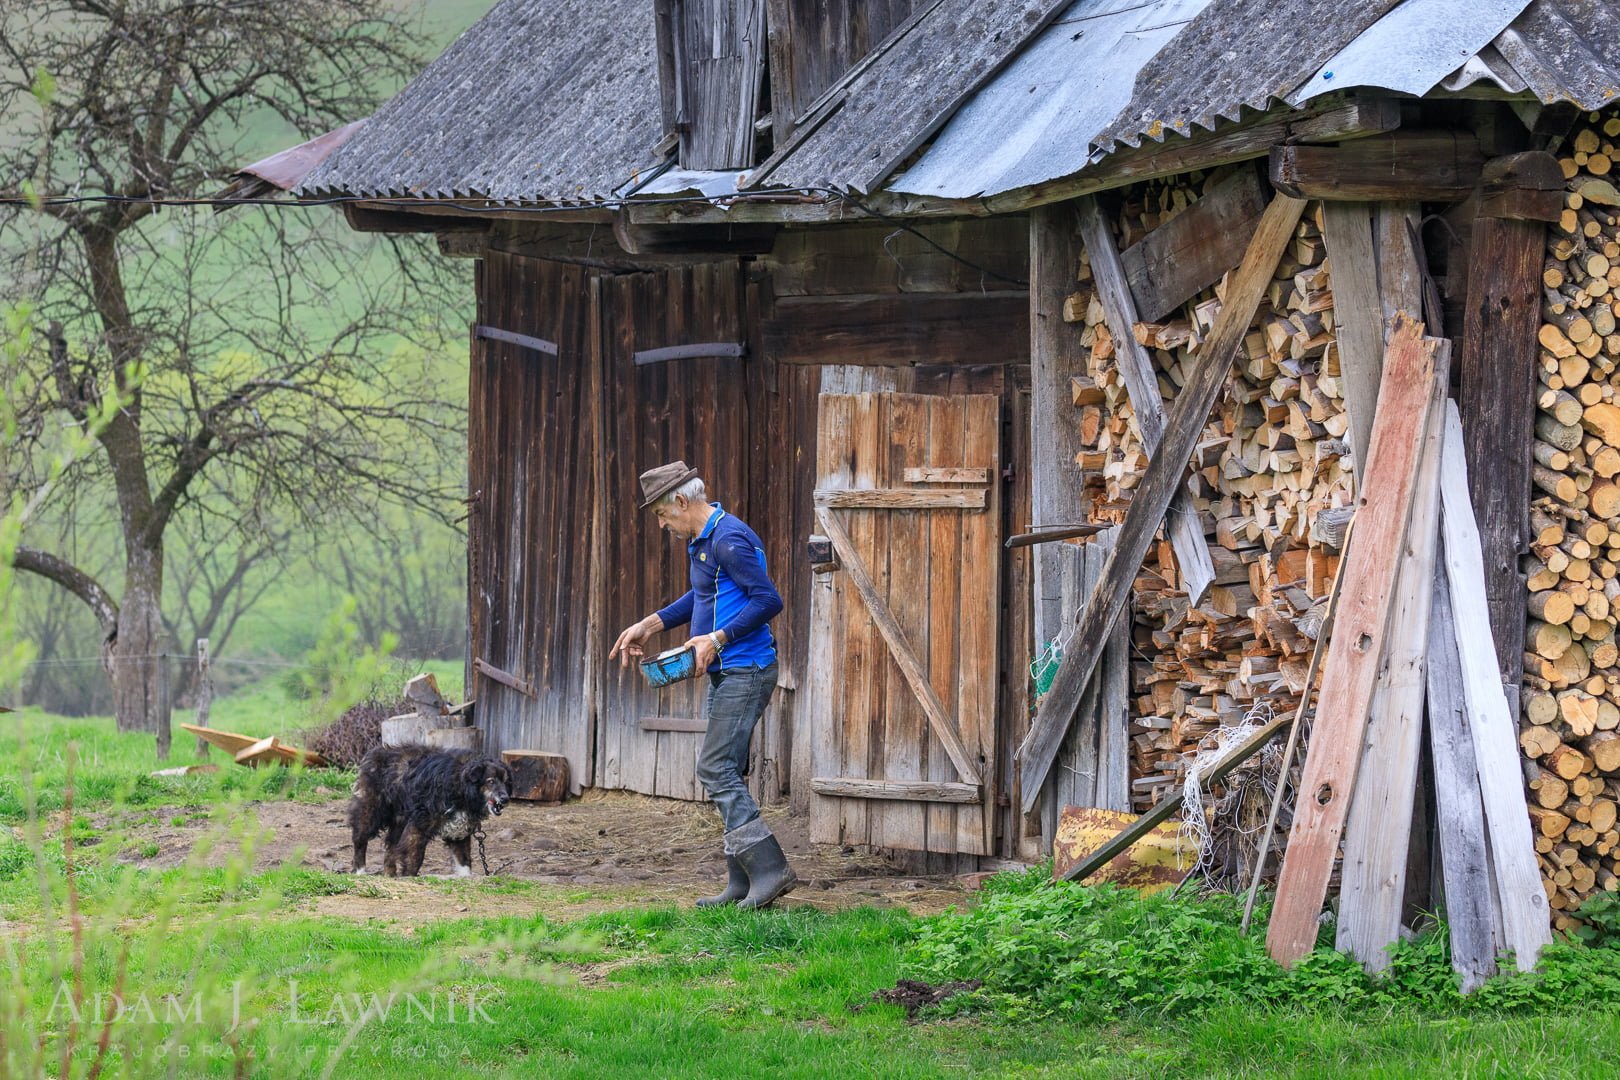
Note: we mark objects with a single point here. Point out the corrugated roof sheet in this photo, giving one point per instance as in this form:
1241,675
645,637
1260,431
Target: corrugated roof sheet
905,92
1559,50
1048,113
1413,47
1236,53
541,100
1037,119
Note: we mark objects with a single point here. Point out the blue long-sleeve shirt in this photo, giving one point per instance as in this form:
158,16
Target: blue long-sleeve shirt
731,591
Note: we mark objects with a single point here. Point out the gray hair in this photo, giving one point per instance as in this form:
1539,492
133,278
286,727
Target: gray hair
692,491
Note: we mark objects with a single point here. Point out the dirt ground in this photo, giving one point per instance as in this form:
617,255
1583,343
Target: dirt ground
605,850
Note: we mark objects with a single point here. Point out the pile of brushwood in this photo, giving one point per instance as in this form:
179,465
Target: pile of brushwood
1039,948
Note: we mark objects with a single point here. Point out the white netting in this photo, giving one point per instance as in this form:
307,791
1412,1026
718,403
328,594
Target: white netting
1200,813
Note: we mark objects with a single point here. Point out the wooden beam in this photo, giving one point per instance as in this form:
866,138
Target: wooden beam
1525,914
1056,481
905,658
1470,917
1500,359
847,787
900,498
900,330
1108,274
1522,187
1154,493
1334,754
1377,834
581,243
1190,252
1422,166
527,341
1320,122
674,723
732,238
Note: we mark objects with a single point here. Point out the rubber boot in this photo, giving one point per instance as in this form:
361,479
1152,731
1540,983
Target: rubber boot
769,875
736,885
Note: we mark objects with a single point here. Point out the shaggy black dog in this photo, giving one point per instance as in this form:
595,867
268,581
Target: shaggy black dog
417,793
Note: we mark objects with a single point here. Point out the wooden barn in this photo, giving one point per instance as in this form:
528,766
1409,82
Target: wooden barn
1202,273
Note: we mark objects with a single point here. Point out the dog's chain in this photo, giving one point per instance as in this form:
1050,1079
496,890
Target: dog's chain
479,836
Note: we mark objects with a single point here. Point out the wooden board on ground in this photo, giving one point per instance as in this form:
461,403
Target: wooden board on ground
1157,861
270,750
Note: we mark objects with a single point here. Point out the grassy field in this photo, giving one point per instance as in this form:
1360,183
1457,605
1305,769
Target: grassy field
220,967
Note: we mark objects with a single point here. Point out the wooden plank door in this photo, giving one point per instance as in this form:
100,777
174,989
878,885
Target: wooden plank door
902,678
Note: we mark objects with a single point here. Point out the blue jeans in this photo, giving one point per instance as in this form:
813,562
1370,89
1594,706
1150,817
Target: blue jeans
735,702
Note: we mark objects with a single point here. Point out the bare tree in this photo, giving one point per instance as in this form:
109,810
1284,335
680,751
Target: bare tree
260,349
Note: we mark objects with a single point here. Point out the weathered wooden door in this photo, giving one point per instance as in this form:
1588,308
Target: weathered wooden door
903,642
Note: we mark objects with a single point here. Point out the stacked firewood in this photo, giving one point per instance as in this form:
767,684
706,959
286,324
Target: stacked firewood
1272,480
1571,703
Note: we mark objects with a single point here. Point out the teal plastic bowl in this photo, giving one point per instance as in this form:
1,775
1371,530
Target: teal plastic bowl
670,666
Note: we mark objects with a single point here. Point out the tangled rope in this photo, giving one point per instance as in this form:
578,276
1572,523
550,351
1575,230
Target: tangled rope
1200,815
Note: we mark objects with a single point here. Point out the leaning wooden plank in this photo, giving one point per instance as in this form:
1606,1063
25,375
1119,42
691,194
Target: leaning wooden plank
1351,669
1377,834
1191,251
1347,227
1136,368
904,657
1460,813
1159,483
851,787
1524,905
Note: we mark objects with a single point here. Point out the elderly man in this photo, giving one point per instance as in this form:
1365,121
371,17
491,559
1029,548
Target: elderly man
729,605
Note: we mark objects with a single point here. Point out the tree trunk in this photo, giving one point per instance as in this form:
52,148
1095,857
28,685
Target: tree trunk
137,661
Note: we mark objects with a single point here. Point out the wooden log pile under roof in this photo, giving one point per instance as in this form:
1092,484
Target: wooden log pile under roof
1271,485
1570,727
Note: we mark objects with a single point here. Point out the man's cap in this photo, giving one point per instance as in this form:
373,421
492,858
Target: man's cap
656,483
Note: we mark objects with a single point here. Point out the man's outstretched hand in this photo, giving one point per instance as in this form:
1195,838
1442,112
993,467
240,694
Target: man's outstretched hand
631,638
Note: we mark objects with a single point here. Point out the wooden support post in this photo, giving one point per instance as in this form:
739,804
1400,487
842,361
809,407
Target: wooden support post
1378,833
1055,480
1351,671
1186,527
1463,858
205,695
1154,494
1525,925
1499,362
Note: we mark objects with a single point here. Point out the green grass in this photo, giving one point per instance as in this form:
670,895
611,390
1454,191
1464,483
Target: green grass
667,992
113,768
662,991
